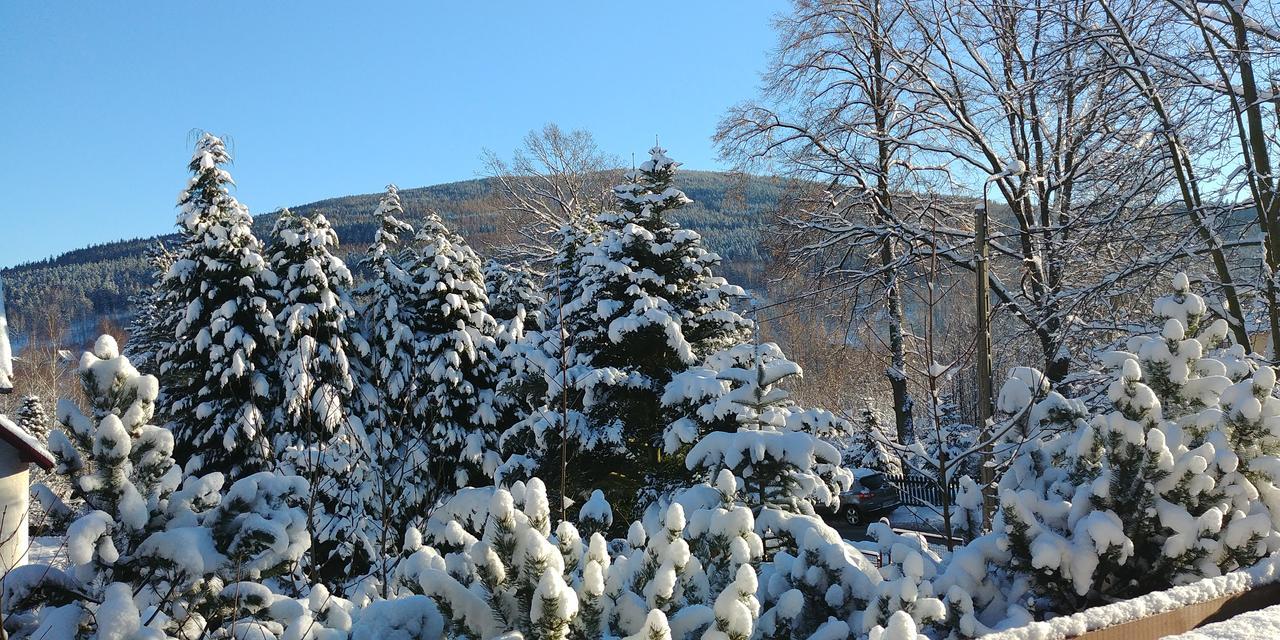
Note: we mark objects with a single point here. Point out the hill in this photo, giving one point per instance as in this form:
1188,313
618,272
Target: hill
90,284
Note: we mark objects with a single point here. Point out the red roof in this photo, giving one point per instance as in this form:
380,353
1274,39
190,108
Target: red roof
28,447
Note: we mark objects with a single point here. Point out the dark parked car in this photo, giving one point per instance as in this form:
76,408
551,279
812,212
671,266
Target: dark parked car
871,495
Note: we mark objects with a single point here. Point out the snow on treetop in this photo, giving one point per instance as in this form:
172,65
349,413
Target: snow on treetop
209,152
596,508
751,445
1022,387
658,160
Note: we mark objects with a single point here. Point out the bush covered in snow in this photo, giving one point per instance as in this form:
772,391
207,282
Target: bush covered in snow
147,544
1172,479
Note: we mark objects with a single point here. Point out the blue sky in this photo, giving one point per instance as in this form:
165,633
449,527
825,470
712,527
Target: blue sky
322,99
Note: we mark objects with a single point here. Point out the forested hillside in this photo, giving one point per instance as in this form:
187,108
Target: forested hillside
96,281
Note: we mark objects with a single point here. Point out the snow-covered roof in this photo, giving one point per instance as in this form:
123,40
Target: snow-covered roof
28,447
6,354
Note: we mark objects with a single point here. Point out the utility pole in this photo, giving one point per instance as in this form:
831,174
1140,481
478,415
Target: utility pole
983,315
982,274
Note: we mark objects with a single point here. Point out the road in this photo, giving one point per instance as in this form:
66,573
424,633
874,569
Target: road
848,531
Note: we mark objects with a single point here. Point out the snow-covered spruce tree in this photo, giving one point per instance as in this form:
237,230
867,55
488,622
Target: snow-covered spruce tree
1174,480
642,305
866,446
516,302
743,420
538,380
515,291
216,368
456,360
152,326
147,547
315,431
388,385
32,417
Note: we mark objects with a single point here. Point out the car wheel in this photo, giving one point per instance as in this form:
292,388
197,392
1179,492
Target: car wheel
854,516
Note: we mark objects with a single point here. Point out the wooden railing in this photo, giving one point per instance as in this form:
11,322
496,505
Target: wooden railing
1190,617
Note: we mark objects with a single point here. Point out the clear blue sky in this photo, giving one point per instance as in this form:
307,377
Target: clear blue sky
331,98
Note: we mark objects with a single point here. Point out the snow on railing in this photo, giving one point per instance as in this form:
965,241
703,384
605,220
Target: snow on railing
1265,572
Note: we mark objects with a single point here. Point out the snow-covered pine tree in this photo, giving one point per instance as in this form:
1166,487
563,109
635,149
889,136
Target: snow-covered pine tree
646,305
910,566
1171,481
777,449
32,417
489,557
388,384
215,370
867,445
515,291
457,362
516,302
141,537
152,326
315,431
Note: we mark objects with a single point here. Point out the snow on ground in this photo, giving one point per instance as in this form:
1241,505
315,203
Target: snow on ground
1263,624
50,550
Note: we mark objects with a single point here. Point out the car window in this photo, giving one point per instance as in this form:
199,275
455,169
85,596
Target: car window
873,481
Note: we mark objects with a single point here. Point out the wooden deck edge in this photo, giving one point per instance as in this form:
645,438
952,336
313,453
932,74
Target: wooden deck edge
1189,617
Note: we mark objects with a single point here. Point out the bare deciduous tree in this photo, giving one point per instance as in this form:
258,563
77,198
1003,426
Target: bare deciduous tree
556,177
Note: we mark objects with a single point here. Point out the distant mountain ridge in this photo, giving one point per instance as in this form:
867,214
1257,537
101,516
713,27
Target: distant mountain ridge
87,284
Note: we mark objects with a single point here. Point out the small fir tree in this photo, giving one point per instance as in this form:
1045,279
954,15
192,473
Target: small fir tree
32,417
147,547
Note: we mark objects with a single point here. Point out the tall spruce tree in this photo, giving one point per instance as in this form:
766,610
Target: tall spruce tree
457,360
216,368
316,433
633,302
388,381
516,302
